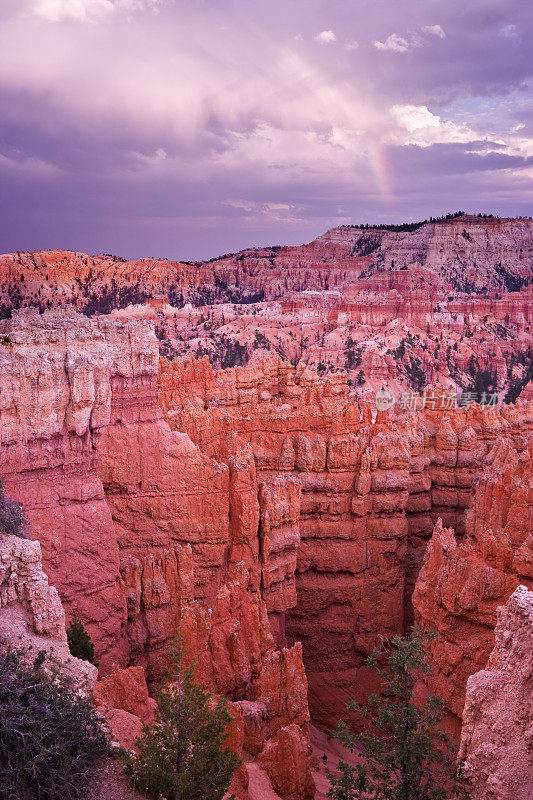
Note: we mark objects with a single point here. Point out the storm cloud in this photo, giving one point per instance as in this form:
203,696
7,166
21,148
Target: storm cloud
188,129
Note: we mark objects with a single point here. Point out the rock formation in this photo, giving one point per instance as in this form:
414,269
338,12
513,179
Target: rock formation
142,533
497,734
446,302
261,512
461,584
350,534
31,616
457,254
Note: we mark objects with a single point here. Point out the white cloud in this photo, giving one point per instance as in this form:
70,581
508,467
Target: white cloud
435,30
419,126
401,44
76,10
325,37
394,43
414,117
87,10
352,45
29,166
155,159
240,205
256,212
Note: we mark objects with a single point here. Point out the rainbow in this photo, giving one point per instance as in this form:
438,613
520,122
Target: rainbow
380,168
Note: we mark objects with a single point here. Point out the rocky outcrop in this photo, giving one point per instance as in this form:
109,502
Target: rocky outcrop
368,498
497,734
279,543
261,513
125,689
31,615
447,302
461,255
285,759
122,698
56,375
461,584
145,535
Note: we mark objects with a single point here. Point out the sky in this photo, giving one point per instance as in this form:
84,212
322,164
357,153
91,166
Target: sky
185,129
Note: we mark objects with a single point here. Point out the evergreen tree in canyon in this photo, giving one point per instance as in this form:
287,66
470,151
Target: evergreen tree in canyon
404,754
79,642
12,516
183,756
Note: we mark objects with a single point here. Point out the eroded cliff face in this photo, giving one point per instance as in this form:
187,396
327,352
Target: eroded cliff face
55,380
32,619
276,524
447,302
497,734
458,255
347,503
461,584
143,534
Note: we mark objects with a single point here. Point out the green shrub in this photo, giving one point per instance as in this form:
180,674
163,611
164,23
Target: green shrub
182,756
79,641
51,739
12,516
408,757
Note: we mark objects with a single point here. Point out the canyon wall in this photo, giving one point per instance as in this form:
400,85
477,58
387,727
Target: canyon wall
260,512
466,254
143,534
462,583
497,734
361,503
448,302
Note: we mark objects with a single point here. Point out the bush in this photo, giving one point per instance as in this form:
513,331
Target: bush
79,641
409,757
51,739
12,516
182,756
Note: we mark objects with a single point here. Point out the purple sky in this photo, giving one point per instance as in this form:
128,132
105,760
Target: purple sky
190,128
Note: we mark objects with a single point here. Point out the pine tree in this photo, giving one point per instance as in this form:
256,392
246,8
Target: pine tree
408,758
79,641
182,756
12,516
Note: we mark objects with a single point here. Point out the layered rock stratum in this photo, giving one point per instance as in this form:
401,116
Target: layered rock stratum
461,584
267,511
445,302
143,534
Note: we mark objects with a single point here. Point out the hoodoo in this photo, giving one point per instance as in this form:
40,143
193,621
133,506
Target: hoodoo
283,482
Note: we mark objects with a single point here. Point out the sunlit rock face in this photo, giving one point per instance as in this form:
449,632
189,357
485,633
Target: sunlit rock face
342,543
497,734
467,254
261,511
461,584
56,374
447,303
142,533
